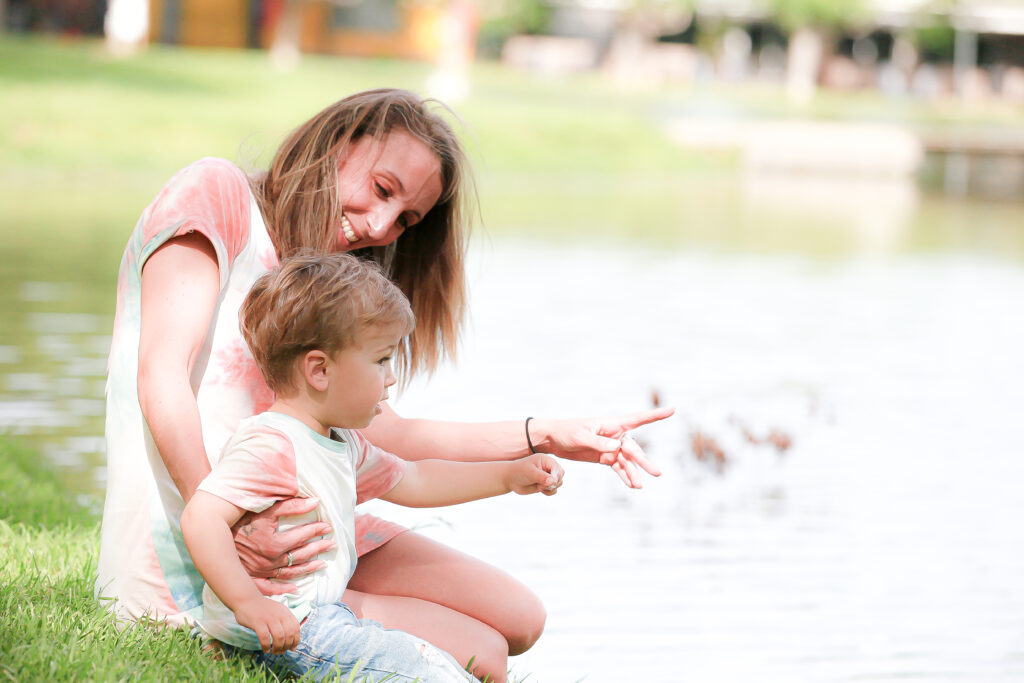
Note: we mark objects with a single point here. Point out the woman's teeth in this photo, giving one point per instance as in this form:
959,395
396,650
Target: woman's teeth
346,229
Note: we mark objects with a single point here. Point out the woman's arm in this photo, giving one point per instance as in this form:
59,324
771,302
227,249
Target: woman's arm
596,440
180,284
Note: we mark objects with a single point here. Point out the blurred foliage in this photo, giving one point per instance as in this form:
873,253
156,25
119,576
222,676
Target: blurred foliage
935,40
502,19
793,14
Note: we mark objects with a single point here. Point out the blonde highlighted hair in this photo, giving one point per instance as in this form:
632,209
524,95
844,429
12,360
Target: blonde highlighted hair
316,301
298,197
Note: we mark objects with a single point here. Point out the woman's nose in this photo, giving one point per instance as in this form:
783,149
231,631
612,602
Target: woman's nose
381,221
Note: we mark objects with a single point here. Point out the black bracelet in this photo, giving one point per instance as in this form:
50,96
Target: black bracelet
528,442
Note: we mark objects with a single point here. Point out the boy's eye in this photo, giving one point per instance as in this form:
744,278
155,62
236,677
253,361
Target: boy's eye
385,360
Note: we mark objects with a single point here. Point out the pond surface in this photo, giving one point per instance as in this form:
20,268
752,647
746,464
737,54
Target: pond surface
883,543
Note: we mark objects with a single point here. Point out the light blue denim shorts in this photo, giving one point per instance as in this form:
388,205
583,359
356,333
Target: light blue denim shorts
335,645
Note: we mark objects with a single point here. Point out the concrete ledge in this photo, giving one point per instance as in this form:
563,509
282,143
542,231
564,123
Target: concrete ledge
808,146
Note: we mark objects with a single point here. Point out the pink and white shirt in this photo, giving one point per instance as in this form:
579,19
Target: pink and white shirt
273,456
144,568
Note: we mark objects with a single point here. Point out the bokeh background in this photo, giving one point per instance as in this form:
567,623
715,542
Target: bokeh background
799,222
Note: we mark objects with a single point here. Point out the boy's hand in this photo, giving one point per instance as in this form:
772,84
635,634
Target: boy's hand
535,473
274,624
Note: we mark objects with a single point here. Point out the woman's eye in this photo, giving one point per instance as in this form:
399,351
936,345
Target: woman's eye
384,361
381,190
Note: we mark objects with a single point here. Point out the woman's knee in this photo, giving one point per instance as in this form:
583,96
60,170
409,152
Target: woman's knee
490,656
524,622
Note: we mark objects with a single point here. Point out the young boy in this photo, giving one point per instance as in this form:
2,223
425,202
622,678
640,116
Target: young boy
322,330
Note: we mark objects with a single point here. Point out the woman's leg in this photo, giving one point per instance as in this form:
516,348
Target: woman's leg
461,636
413,566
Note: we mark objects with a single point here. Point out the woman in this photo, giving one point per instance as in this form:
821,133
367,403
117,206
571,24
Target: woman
377,173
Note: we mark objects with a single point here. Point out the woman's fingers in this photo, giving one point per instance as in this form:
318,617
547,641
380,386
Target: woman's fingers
268,587
292,506
298,570
306,553
624,474
638,419
295,539
635,455
599,444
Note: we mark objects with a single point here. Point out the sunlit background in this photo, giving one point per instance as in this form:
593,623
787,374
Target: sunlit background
798,221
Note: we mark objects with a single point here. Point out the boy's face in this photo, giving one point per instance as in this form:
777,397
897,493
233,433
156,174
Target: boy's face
360,376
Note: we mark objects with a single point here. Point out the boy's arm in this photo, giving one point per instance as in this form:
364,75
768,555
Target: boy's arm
433,483
206,525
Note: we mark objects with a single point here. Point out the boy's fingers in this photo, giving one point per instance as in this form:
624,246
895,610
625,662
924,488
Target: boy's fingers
281,638
265,639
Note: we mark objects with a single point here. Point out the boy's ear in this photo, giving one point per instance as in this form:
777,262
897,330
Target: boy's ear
313,368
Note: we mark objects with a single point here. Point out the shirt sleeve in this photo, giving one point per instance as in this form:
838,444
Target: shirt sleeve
256,470
211,197
377,471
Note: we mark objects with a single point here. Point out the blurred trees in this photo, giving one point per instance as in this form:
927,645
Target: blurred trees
812,27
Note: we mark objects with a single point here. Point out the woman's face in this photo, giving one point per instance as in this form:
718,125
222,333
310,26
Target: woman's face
386,187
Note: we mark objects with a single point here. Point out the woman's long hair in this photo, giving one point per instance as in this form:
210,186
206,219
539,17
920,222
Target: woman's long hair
298,197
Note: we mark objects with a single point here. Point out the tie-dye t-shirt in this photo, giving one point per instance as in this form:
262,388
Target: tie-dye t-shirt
274,456
144,569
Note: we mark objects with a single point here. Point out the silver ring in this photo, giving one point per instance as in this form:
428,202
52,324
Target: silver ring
291,559
278,573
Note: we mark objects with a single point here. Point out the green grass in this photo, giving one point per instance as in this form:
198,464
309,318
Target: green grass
88,139
51,626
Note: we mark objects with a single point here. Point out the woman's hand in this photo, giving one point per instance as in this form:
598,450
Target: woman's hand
264,552
600,440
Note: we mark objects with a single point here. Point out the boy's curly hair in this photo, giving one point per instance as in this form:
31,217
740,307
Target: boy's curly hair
316,301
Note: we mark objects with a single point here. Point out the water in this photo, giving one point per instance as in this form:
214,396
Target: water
883,544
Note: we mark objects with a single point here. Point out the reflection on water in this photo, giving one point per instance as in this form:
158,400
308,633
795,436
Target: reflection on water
883,544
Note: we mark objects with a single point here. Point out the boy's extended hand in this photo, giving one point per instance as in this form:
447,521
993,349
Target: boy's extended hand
535,473
274,624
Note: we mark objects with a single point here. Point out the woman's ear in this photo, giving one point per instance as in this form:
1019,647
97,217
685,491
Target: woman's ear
313,367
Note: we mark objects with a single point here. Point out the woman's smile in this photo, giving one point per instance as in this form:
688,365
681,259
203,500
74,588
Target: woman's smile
347,230
385,186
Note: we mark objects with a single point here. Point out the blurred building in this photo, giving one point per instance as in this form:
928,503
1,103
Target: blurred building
377,28
355,27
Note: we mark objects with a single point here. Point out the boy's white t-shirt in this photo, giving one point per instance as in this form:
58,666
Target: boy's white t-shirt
273,456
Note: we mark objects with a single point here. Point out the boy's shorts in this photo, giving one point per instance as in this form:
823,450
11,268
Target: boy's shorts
334,643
